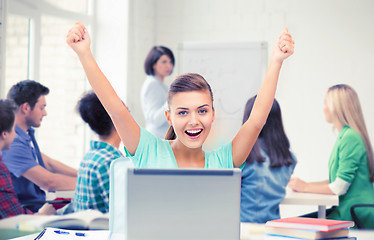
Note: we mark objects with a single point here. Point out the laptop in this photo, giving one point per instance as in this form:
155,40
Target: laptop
174,203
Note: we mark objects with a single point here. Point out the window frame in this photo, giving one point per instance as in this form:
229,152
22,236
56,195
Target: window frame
34,10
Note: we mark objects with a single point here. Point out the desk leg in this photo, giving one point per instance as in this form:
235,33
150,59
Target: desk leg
321,211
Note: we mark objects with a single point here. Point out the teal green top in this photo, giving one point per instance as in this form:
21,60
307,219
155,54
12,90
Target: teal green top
153,152
348,161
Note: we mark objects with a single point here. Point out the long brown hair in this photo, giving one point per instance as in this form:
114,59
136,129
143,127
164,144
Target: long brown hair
343,102
275,141
187,82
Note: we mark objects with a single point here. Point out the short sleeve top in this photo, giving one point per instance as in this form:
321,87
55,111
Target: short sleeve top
153,152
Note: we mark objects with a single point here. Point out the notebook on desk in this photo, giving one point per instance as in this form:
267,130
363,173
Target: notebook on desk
174,203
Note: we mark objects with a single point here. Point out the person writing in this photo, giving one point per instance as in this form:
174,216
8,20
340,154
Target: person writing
158,65
267,170
190,114
351,163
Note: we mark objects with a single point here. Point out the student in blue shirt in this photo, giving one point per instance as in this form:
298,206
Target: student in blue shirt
33,171
158,65
190,114
267,170
10,206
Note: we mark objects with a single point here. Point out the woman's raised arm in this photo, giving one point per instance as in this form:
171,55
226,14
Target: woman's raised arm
248,133
79,40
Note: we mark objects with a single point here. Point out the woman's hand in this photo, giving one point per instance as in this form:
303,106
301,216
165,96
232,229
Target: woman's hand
79,39
283,47
297,184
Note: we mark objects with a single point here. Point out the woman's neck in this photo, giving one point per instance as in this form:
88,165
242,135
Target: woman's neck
159,77
188,157
338,126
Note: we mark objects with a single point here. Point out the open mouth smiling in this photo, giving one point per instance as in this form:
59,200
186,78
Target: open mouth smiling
193,133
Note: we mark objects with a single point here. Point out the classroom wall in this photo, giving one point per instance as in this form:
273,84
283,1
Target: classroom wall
110,42
334,44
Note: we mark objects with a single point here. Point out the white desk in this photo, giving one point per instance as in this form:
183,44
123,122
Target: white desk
27,237
322,200
60,194
250,231
65,194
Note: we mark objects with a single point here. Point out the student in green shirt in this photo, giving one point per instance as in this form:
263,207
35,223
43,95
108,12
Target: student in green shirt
190,113
351,164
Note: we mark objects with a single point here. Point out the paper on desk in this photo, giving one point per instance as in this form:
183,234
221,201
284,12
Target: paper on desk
71,234
251,231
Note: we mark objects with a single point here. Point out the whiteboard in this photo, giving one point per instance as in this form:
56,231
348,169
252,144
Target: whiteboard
234,71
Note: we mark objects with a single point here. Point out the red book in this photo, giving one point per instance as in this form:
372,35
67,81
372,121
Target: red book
315,224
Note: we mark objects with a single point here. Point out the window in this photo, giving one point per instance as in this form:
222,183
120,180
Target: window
71,5
35,49
16,49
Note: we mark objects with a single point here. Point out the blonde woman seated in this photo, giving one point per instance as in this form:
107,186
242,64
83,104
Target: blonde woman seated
351,164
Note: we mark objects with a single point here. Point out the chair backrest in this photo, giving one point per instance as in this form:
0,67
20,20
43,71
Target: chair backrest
355,218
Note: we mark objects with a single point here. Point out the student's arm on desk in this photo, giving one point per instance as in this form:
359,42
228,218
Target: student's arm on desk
299,185
58,167
48,180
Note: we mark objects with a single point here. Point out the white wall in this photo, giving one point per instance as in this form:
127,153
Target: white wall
142,36
111,48
334,44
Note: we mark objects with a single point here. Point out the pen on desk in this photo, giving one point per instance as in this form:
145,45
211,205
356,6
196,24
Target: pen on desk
78,234
61,232
40,234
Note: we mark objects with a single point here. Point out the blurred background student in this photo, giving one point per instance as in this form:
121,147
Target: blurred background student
351,163
267,169
158,65
10,206
92,191
32,171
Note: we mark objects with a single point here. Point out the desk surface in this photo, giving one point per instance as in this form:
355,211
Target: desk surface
255,231
60,194
250,231
297,198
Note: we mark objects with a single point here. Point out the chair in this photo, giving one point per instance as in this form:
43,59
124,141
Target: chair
354,216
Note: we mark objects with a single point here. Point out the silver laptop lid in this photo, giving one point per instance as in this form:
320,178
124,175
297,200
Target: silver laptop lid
182,204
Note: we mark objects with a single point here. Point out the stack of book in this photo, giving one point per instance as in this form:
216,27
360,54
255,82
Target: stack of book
307,228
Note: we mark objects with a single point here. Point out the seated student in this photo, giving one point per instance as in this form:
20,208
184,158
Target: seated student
351,164
10,205
92,191
31,170
267,170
